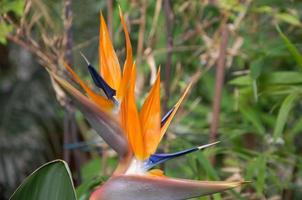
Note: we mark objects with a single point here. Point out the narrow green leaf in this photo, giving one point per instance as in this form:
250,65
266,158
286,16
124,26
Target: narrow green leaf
207,166
282,77
285,108
261,175
242,81
256,68
51,181
289,18
209,170
255,90
278,77
291,47
251,115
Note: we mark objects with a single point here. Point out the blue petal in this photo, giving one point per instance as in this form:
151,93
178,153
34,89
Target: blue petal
166,116
101,83
159,158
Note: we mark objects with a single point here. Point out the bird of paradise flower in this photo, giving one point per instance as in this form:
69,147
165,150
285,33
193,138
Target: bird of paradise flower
133,135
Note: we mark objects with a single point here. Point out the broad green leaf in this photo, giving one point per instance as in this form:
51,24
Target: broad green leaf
285,108
51,181
291,47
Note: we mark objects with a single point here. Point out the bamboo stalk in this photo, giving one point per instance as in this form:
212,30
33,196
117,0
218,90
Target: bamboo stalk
70,127
169,18
220,70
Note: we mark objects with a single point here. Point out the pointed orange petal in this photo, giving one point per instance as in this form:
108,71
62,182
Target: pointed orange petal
108,61
130,121
128,62
150,118
176,106
102,102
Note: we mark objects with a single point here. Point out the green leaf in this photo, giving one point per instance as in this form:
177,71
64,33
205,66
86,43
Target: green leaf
252,115
51,181
84,190
242,81
288,18
16,6
291,47
285,108
256,68
261,175
279,77
263,9
282,77
207,166
5,29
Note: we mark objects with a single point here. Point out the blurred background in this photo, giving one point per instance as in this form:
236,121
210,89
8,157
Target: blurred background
243,56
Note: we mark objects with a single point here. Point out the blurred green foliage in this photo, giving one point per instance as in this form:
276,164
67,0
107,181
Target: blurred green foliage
6,6
260,122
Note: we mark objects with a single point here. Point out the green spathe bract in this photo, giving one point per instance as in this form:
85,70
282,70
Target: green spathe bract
51,181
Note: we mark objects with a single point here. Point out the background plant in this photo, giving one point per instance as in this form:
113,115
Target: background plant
259,121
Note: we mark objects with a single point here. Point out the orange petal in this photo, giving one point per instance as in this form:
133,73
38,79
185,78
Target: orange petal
128,62
102,102
156,172
130,121
150,118
176,106
108,61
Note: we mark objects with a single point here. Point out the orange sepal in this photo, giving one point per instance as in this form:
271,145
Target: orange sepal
130,120
156,172
108,61
128,62
102,102
150,118
176,106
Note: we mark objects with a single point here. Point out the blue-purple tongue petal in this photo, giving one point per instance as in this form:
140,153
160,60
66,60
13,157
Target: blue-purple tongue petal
166,116
101,83
159,158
